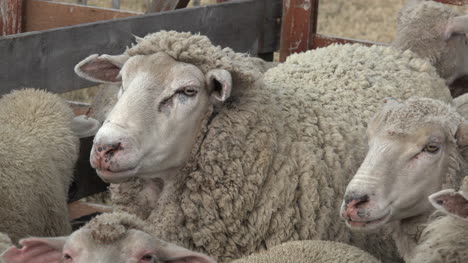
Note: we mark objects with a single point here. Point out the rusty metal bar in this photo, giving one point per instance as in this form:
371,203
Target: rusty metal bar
299,23
453,2
11,17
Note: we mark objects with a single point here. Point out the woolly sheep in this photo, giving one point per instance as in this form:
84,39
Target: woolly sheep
445,238
108,238
416,148
120,237
38,151
233,163
305,251
437,33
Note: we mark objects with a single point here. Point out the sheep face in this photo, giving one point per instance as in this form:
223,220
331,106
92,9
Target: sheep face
411,146
152,128
135,246
437,33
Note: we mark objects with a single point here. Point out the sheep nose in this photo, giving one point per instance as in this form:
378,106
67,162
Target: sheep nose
103,153
354,207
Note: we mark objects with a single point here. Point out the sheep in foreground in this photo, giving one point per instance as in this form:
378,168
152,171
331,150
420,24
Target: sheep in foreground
38,151
230,163
305,251
121,237
108,238
436,32
416,148
445,238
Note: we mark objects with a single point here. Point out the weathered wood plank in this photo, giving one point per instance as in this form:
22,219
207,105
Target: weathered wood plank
11,17
299,22
453,2
43,15
46,59
270,34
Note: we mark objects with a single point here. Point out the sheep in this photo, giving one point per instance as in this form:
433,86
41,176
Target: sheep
416,148
113,237
230,161
38,149
118,237
445,237
437,33
317,251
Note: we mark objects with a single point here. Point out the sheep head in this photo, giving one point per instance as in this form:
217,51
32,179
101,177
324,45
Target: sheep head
414,147
437,33
115,238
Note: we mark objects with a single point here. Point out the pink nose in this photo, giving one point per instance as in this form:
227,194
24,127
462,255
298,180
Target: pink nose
355,208
103,154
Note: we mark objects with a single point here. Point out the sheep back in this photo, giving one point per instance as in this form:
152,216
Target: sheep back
38,151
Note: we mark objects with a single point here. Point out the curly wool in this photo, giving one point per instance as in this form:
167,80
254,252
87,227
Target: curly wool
38,151
108,228
317,251
272,165
199,51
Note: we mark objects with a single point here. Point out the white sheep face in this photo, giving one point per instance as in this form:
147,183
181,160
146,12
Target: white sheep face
151,130
410,147
80,247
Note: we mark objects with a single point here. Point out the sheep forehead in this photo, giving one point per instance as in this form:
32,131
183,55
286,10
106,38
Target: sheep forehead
161,68
409,117
109,228
432,13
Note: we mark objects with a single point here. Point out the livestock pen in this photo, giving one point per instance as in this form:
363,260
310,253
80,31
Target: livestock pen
42,42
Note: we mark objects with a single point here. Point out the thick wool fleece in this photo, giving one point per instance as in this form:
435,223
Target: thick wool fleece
444,239
38,151
271,165
427,21
317,251
108,228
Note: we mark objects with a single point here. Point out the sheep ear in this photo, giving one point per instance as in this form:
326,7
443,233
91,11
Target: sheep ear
461,105
170,253
450,202
220,85
36,250
462,139
102,69
456,25
84,126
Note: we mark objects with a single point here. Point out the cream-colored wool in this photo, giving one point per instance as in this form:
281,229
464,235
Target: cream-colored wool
38,151
317,251
271,165
444,239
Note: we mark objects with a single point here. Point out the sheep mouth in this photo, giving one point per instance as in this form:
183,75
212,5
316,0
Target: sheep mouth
113,176
369,224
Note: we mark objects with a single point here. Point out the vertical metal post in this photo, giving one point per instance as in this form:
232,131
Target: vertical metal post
299,23
11,17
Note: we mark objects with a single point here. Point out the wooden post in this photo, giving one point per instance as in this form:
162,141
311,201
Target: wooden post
116,4
299,23
11,17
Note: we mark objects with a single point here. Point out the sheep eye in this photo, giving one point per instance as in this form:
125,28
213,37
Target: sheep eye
147,258
431,148
189,91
